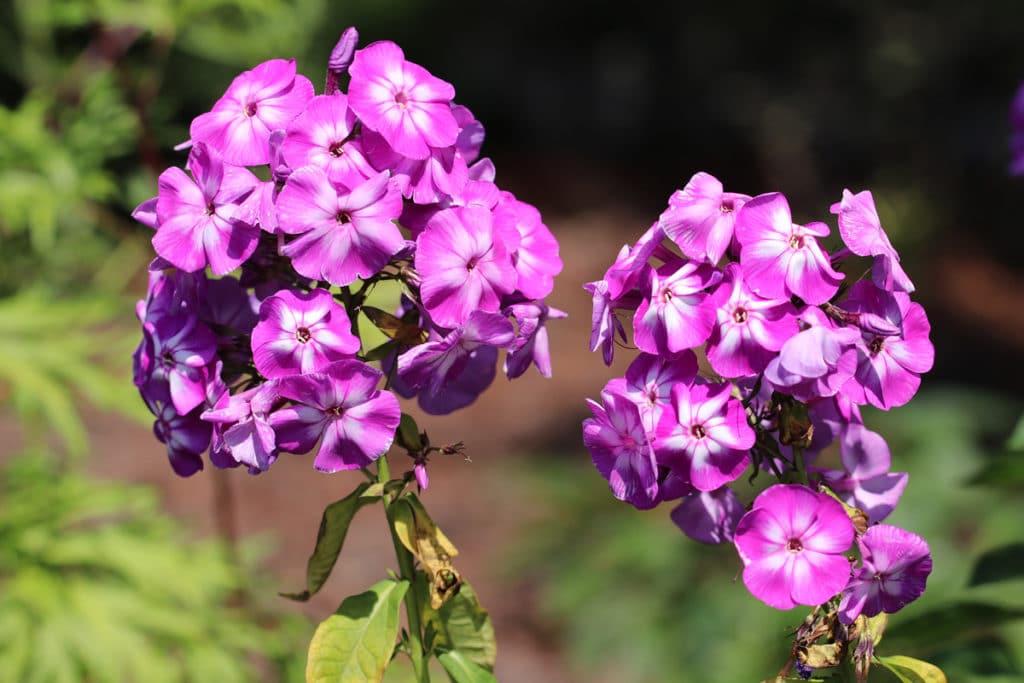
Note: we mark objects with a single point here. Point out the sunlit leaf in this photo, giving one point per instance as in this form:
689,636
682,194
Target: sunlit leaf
462,669
910,670
429,545
462,624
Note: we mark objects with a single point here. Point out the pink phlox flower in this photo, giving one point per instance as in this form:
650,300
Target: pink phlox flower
709,516
242,431
863,234
792,545
889,367
343,234
301,333
342,408
256,103
536,256
146,214
439,175
471,133
182,351
894,572
816,362
197,222
705,433
402,101
632,266
701,217
750,330
781,258
649,382
677,314
531,342
320,136
621,449
865,481
464,265
604,325
341,58
184,435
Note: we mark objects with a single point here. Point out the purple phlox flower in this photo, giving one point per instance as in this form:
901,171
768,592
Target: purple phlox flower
464,387
256,103
179,352
342,405
830,417
621,449
677,314
700,218
750,330
429,367
816,362
531,342
184,435
301,333
464,265
672,485
343,234
341,58
482,170
471,134
863,234
889,367
605,326
422,478
649,382
631,267
709,516
781,258
320,136
865,481
1017,133
536,257
228,308
706,434
441,174
146,214
197,223
171,291
792,544
242,432
402,101
894,571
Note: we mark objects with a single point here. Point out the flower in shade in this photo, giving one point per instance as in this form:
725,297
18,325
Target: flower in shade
701,217
342,405
894,570
676,314
464,265
185,436
256,103
792,544
862,232
402,101
177,352
1017,136
705,433
781,258
709,516
343,234
301,332
621,449
241,431
196,216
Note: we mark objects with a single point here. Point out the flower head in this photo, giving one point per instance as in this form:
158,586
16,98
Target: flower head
893,573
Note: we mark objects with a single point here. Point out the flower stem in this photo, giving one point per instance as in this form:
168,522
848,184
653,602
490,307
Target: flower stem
406,571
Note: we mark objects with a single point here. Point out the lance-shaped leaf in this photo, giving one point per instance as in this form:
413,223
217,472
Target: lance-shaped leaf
356,643
330,538
402,331
461,669
910,670
1001,564
408,435
461,624
429,545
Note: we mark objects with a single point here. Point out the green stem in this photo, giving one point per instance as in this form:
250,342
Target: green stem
405,567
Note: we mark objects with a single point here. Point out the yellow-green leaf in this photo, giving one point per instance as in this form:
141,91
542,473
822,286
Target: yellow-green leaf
462,624
910,670
429,545
464,670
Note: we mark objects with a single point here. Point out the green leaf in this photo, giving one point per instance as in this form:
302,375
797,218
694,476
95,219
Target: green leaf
429,545
950,623
356,643
462,624
910,670
1004,471
409,434
461,669
999,564
1016,440
329,539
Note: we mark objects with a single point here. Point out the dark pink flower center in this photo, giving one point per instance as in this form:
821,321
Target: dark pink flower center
336,411
250,109
796,241
740,315
343,217
698,431
794,545
401,99
727,206
210,209
168,359
336,149
876,345
471,264
303,335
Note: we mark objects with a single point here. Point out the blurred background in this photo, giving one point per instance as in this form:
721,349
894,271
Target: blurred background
112,569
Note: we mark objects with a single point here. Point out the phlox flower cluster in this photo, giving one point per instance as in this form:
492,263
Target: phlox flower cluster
291,209
790,348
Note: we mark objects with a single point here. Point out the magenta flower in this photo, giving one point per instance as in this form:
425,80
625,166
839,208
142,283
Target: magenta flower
701,217
792,544
750,330
536,258
621,449
649,382
894,571
320,136
605,326
197,223
185,436
863,234
531,342
709,516
440,175
299,333
241,430
818,361
705,434
178,352
256,103
342,405
781,258
677,314
463,264
402,101
865,481
343,234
